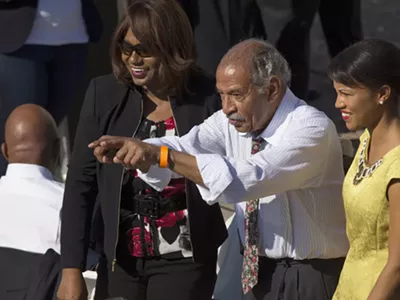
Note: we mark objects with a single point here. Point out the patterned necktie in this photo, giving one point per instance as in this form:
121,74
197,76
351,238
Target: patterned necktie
250,254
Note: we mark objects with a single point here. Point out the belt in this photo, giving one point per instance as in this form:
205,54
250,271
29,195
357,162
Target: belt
317,263
153,207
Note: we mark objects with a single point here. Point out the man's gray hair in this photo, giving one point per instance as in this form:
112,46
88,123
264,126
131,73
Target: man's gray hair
267,62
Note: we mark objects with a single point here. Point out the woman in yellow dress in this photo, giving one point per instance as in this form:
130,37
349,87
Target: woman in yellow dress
366,77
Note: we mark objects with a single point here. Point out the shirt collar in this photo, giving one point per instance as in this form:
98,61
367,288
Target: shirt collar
285,107
28,171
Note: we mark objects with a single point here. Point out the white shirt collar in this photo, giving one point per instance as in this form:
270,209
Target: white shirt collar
28,171
285,107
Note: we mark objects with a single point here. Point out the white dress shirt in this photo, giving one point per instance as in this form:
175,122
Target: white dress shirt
297,177
58,22
30,204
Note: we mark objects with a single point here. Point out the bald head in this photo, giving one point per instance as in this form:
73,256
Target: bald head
31,137
259,60
241,54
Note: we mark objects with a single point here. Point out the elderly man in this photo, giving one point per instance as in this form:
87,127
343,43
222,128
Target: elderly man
278,159
30,202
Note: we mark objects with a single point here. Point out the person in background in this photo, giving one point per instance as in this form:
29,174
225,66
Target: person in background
220,24
151,251
30,198
43,52
278,159
341,24
366,77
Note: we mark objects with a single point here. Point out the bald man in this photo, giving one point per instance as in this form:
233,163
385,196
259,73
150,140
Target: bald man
30,198
31,137
276,158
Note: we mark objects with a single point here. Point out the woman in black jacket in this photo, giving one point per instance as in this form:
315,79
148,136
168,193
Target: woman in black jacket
156,245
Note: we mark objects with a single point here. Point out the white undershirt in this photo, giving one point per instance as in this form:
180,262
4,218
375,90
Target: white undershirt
58,22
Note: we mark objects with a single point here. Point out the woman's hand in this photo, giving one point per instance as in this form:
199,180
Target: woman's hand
72,286
131,153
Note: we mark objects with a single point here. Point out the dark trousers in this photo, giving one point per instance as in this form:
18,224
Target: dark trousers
220,24
314,279
160,279
16,272
49,76
26,275
341,22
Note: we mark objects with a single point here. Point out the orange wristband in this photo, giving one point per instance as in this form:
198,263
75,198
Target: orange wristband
163,157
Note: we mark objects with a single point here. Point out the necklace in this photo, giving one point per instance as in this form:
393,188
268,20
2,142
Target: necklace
363,170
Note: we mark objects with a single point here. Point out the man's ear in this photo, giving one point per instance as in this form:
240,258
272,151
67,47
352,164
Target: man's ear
4,151
274,88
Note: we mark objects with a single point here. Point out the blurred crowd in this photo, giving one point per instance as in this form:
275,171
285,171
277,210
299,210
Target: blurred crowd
198,109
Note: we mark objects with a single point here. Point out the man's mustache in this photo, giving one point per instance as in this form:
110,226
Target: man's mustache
236,117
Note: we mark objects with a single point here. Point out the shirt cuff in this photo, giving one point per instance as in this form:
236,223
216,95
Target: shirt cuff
156,177
215,174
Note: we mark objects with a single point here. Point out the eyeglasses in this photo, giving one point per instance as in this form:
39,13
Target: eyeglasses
127,49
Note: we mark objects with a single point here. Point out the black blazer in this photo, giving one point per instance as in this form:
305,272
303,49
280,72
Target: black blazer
115,109
17,17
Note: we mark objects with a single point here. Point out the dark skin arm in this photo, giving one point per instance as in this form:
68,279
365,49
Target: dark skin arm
387,286
185,165
135,154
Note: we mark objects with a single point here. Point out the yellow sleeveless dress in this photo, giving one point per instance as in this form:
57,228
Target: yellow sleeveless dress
367,225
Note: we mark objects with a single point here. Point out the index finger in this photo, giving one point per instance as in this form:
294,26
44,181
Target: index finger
115,143
94,144
107,137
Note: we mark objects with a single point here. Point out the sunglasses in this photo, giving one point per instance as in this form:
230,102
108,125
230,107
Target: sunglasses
127,49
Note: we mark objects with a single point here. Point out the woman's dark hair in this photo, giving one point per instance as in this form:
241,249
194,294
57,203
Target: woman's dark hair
163,29
369,63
